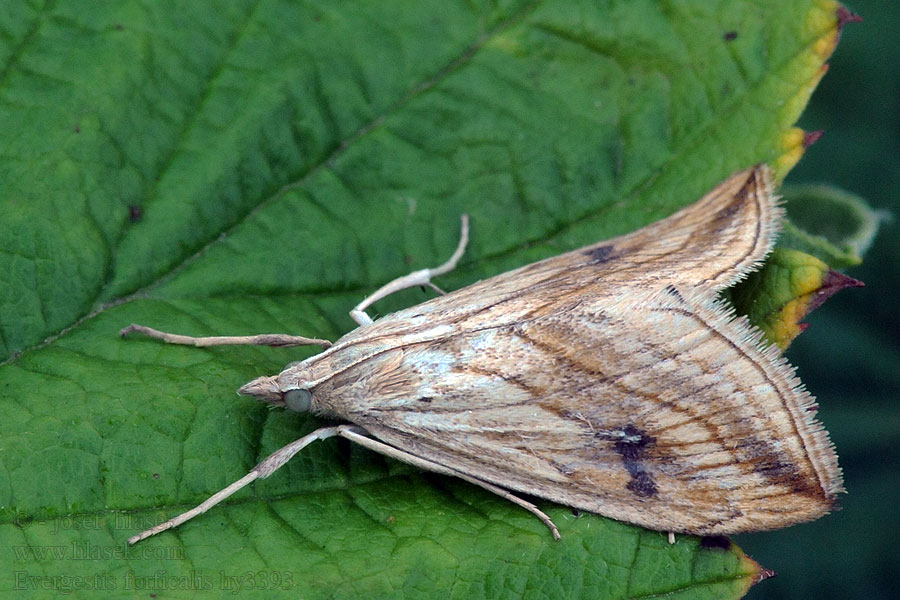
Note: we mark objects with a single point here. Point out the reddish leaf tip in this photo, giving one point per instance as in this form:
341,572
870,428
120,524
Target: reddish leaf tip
832,283
811,137
764,574
845,16
840,281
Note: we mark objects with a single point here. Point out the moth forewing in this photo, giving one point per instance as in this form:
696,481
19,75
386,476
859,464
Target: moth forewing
609,379
658,423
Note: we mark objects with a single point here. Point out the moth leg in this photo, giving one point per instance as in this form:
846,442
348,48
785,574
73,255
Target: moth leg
414,279
359,436
275,340
265,468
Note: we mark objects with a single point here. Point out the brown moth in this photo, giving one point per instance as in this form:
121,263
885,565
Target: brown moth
610,379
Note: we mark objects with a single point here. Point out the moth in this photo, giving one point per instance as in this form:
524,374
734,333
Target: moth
610,379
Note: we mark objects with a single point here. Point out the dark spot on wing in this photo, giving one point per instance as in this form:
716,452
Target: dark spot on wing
670,289
632,447
424,399
565,469
723,218
768,462
730,35
600,254
642,484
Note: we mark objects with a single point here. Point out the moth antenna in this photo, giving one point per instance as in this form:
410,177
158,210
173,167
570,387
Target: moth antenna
265,468
414,279
276,340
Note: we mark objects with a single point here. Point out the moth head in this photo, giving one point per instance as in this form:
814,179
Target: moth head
265,389
271,391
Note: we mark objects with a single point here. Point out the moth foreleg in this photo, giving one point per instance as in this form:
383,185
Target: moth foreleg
359,436
265,339
262,470
414,279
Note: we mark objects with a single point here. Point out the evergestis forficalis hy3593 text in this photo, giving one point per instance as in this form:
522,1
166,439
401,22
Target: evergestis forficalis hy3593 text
610,379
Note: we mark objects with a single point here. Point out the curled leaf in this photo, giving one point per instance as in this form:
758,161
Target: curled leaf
829,223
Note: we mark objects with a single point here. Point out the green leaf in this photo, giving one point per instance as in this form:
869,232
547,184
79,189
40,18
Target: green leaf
825,227
238,167
828,223
789,286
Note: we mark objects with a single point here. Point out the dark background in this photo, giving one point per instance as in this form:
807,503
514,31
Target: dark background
850,355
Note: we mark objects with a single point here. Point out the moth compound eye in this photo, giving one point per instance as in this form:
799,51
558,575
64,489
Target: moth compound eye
298,400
